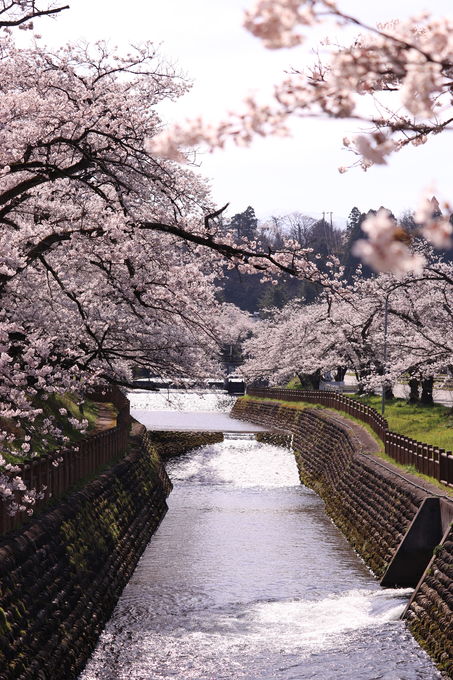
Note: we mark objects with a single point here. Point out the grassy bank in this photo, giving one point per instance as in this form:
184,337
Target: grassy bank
301,405
429,424
59,408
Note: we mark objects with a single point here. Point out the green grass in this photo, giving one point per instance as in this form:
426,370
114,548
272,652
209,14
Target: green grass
51,407
293,384
429,424
301,405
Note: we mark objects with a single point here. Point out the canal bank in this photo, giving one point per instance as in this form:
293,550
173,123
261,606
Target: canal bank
248,579
377,509
62,573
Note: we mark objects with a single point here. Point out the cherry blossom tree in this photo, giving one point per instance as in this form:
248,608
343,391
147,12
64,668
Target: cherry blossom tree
294,340
20,13
346,328
108,253
420,337
110,246
233,324
403,68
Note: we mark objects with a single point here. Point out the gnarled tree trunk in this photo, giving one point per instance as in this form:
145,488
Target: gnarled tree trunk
427,391
340,373
414,394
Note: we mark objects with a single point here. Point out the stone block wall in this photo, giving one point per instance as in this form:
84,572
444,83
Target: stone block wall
430,613
372,506
170,444
62,574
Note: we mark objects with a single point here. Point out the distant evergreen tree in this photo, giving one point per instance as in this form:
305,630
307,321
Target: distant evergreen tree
352,234
353,223
243,290
245,224
281,294
324,239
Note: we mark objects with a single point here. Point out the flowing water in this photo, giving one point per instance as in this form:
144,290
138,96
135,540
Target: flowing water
178,410
246,578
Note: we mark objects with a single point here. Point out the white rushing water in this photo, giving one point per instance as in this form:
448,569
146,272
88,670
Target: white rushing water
246,578
182,400
186,410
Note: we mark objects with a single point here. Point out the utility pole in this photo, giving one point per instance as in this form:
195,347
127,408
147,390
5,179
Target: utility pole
324,223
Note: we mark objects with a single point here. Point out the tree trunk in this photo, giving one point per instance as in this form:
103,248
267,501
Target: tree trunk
414,394
310,381
340,373
387,387
427,391
388,392
315,379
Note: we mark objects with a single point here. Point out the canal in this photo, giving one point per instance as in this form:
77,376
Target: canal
247,578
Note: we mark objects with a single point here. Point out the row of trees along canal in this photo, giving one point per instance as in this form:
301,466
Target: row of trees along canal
322,236
111,251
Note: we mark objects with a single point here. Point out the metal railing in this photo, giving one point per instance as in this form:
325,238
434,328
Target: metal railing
429,460
55,473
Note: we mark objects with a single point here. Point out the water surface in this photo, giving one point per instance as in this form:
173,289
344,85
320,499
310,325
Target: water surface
204,410
246,578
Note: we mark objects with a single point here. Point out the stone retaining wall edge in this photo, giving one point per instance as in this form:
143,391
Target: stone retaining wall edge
373,508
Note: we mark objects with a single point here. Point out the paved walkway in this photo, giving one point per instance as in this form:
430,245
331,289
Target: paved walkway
444,397
106,417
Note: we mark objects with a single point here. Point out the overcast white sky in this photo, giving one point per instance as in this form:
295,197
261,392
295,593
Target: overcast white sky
205,39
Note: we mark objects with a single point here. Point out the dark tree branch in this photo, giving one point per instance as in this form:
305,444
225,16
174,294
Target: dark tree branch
34,14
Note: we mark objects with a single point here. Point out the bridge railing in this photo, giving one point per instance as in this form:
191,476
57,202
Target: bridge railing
57,472
429,460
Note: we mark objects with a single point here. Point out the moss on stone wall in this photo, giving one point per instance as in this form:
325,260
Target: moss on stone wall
373,508
430,613
274,438
170,444
61,576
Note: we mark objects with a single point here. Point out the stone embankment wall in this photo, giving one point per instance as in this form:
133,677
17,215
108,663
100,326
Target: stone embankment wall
430,613
372,506
62,574
170,444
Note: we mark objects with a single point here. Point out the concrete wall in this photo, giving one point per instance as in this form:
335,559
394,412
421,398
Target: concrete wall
374,507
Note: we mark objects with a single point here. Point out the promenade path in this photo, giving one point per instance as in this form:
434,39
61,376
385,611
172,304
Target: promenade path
444,397
106,417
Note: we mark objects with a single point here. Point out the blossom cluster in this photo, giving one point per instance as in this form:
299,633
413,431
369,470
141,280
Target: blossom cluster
346,328
109,253
405,65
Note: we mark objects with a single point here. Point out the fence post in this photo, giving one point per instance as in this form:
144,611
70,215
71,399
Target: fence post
446,468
